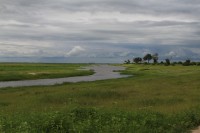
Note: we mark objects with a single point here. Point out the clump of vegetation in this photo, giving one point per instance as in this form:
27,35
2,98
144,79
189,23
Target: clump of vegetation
180,62
24,71
161,62
155,58
86,120
167,63
148,57
127,61
137,60
187,63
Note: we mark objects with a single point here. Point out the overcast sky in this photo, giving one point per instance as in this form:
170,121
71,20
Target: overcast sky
97,29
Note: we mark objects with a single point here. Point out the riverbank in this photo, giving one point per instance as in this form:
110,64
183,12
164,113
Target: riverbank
101,72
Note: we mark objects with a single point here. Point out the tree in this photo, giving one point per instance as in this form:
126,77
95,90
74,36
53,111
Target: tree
155,58
167,61
127,61
147,57
137,59
187,62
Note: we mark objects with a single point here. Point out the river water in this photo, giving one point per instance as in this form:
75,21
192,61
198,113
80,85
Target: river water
102,72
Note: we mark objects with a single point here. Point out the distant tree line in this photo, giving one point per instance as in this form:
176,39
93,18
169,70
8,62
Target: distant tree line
148,57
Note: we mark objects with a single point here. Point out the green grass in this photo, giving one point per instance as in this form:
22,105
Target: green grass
162,99
24,71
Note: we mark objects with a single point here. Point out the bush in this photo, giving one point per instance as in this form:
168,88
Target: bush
89,120
127,62
193,63
180,62
186,63
173,64
167,62
161,62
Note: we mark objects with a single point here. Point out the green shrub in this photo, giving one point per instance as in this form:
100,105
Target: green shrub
193,63
90,120
187,63
180,62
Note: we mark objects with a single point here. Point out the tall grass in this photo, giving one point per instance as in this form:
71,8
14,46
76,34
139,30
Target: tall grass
90,120
23,71
156,99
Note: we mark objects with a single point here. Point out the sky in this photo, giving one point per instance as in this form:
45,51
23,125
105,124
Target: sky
85,31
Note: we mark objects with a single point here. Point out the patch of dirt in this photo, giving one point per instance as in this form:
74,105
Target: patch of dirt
32,73
196,130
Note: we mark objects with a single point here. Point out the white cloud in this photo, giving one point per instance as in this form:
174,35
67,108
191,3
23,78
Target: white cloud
147,51
172,54
75,51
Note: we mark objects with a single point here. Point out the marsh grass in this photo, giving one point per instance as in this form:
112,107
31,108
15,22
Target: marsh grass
155,99
89,120
24,71
159,101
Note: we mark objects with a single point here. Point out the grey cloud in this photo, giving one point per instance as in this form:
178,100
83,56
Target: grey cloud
60,25
129,6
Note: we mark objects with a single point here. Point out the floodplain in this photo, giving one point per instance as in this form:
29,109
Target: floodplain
156,98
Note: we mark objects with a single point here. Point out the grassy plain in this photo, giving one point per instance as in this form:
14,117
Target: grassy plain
156,99
24,71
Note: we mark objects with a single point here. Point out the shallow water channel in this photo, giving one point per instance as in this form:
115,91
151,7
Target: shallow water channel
102,72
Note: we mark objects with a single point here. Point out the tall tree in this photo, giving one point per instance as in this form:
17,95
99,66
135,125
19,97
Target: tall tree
147,57
127,61
137,59
167,61
155,58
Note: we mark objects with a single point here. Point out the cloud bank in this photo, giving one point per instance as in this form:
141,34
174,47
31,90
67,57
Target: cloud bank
101,28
